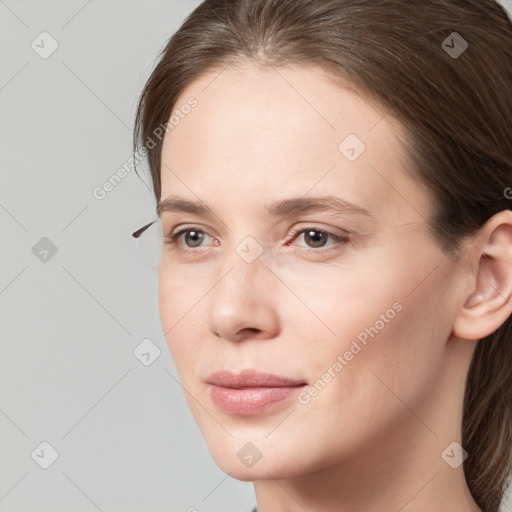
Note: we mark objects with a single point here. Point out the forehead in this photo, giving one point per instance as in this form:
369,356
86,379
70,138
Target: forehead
259,133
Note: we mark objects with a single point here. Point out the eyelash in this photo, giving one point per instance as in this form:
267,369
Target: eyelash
339,239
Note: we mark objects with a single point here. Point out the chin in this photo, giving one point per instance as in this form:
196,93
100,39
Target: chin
271,463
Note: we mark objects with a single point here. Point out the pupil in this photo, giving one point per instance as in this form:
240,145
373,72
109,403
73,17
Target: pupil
315,241
197,234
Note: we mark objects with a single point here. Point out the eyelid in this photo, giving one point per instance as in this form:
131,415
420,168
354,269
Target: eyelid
185,227
312,226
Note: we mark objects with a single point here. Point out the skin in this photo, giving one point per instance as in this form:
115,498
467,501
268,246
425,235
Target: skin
373,437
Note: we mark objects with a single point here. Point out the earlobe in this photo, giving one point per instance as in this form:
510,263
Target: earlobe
488,305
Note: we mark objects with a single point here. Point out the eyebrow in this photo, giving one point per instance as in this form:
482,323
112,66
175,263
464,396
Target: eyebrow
280,208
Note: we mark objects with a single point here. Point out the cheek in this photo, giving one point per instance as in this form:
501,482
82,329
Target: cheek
384,309
387,351
332,302
179,305
181,292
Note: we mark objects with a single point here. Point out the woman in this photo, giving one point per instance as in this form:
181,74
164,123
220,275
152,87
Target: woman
333,181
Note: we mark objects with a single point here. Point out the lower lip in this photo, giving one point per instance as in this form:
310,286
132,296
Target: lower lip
250,401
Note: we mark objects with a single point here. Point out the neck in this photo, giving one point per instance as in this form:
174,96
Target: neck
400,479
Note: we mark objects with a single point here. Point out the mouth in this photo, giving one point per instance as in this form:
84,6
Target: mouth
250,392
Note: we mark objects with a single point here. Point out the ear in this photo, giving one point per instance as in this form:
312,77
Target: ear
487,304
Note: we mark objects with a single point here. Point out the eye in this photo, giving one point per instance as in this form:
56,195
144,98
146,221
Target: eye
314,237
194,235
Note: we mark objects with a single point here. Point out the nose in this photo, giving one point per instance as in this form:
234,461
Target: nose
243,303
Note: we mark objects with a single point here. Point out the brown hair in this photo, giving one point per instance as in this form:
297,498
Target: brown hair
456,110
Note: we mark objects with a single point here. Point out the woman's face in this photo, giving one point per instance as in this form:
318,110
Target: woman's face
356,306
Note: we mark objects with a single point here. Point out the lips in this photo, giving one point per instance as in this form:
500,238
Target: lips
250,393
251,379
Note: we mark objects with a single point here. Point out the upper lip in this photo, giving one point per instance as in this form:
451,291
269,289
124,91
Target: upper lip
251,378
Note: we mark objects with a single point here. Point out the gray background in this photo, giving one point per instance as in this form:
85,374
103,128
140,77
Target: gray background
79,294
